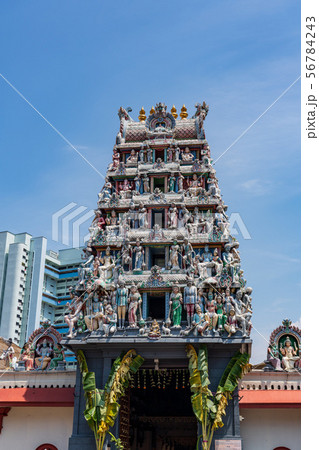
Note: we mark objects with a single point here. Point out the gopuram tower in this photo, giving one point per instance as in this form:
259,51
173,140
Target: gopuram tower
161,270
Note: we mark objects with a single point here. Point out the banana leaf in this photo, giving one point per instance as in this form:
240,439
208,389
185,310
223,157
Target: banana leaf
236,368
193,360
203,365
197,405
82,361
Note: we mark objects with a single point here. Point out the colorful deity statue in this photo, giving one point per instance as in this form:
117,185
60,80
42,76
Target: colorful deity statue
201,299
194,185
134,302
146,184
273,357
187,156
73,316
173,256
220,313
180,183
142,216
58,355
132,159
177,152
218,263
94,312
116,159
149,154
188,253
106,267
176,301
171,183
170,152
289,355
231,323
190,299
26,355
43,355
121,302
137,181
139,256
199,322
110,318
173,217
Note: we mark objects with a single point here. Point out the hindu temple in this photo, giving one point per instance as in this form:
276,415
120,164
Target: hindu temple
160,271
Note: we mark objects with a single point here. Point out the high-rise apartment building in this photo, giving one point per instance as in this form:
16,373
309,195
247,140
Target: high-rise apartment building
34,284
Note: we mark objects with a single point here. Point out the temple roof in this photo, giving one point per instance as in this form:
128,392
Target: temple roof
161,124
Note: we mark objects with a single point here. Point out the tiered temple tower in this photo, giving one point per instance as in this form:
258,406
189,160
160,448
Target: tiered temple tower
161,266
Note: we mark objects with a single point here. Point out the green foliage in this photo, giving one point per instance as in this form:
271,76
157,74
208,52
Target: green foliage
102,407
209,408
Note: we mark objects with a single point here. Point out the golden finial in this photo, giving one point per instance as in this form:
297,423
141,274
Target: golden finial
174,112
152,111
183,113
142,115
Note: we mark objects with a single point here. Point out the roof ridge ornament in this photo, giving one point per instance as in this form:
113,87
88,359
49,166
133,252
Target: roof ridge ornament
183,113
174,112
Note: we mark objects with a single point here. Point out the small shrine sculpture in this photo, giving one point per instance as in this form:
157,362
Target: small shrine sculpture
284,350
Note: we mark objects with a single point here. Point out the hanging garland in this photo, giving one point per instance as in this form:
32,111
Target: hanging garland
160,379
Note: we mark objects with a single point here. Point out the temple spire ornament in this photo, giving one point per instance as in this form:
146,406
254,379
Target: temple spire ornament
174,112
152,111
142,116
183,113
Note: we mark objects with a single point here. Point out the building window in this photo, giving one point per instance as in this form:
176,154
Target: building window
46,447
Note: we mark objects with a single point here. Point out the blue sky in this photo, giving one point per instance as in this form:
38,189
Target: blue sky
78,62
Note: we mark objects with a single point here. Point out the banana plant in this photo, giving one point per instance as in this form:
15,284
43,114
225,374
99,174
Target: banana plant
102,407
208,407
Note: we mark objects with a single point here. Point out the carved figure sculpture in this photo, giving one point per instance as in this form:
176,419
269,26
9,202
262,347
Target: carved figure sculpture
231,323
94,312
173,217
190,299
173,256
26,356
199,321
273,357
188,253
132,159
110,321
142,216
171,183
187,156
289,355
146,184
121,302
180,183
176,301
58,355
106,267
220,312
43,355
134,301
201,299
139,256
74,313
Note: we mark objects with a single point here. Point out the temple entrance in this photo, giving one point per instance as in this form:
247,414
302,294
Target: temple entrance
156,306
160,412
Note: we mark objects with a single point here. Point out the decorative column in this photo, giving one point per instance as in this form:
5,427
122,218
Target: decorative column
144,306
166,304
